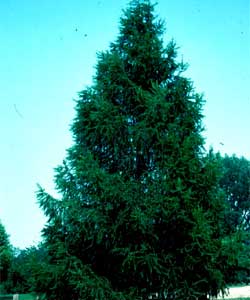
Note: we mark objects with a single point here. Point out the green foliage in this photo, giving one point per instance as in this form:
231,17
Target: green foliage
235,181
5,258
236,184
141,208
237,257
25,270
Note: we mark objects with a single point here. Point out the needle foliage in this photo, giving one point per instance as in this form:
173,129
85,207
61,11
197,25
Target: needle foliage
141,211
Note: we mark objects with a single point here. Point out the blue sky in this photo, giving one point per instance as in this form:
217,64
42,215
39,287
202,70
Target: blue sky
48,54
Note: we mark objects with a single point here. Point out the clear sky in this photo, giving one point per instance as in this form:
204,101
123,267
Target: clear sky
48,54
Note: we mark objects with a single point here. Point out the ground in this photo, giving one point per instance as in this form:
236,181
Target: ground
237,292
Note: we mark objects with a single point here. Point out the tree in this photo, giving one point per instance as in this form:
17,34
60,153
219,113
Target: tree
236,184
26,267
5,257
141,210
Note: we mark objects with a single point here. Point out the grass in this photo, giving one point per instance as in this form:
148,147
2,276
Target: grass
21,297
26,297
32,297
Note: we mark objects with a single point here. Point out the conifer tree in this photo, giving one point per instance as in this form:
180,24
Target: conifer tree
141,211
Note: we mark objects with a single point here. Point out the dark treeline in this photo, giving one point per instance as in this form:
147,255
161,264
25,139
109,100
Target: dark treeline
144,208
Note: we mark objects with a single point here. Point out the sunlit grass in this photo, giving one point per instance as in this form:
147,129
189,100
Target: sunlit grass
20,297
26,297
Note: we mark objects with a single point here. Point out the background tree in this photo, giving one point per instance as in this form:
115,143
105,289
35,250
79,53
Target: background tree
235,182
141,208
27,267
5,257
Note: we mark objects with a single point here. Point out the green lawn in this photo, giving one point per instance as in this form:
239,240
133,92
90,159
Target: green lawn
32,297
21,297
26,297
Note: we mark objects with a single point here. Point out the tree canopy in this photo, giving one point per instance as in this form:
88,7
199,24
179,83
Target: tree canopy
236,184
141,209
5,257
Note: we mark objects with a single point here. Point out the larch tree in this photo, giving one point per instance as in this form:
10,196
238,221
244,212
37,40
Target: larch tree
141,210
